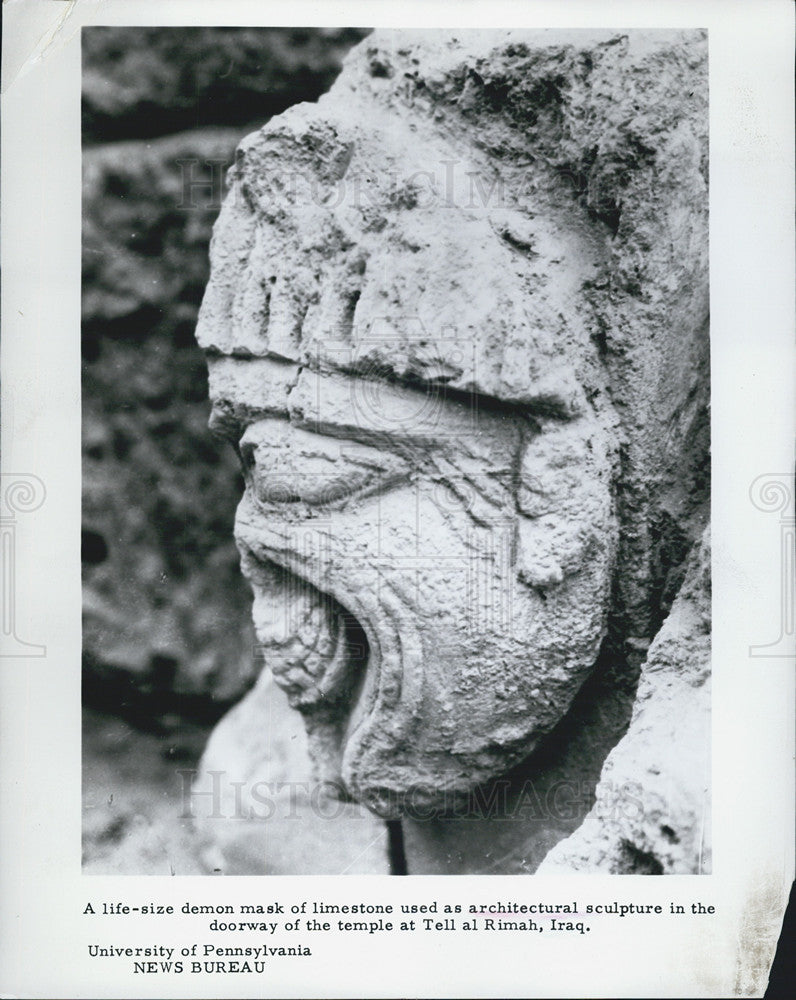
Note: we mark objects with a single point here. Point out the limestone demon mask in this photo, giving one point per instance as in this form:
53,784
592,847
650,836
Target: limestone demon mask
404,348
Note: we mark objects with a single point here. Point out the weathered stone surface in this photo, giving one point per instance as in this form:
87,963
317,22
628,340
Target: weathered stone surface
148,208
457,330
507,826
158,495
167,631
149,81
260,810
135,801
142,815
659,823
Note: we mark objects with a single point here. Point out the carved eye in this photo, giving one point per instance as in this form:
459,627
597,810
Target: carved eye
275,488
269,487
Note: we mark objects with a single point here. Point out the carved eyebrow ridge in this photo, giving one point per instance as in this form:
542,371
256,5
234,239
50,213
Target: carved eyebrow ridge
229,419
544,406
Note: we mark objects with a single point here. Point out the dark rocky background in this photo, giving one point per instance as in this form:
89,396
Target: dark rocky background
167,643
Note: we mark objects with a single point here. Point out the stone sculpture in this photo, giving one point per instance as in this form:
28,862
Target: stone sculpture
456,327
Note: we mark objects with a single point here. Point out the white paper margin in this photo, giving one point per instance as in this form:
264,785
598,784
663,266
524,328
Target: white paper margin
42,936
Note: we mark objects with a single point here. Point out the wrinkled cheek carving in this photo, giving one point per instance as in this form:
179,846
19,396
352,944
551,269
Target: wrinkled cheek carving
424,671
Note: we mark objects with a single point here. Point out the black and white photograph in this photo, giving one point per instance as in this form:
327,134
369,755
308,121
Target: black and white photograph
455,321
397,443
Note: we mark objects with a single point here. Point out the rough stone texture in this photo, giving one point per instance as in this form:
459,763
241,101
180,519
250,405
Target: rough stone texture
660,823
134,817
167,629
160,634
168,643
143,82
508,825
141,814
457,330
158,494
148,210
266,814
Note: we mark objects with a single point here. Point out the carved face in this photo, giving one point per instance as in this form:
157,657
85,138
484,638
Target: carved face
427,523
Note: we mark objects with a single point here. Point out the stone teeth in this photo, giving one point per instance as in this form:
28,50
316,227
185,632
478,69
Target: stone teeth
300,634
